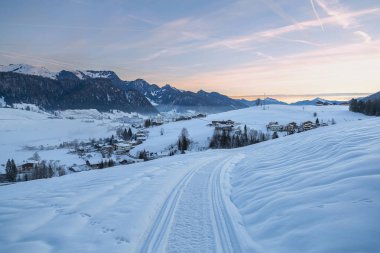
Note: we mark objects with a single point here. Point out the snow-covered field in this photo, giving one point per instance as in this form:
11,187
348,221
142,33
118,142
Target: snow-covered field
254,117
317,191
20,128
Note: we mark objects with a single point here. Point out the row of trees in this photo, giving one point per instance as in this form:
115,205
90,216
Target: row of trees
106,164
124,133
224,138
39,170
183,141
11,170
369,107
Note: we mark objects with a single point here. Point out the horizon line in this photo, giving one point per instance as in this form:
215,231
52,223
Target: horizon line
303,95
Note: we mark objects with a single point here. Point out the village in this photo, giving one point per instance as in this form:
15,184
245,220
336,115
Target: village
229,134
293,127
115,150
99,153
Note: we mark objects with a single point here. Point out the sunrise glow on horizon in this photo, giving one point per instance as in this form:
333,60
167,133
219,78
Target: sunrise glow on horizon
238,48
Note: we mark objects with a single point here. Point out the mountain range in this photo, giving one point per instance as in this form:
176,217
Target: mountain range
318,101
267,101
102,90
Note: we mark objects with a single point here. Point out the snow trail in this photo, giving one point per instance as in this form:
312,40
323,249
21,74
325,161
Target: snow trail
194,217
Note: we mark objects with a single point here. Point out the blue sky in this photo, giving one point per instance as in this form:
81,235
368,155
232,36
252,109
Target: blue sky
234,47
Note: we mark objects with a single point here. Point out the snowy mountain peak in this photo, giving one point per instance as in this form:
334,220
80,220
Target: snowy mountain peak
29,70
95,74
317,101
44,72
258,101
169,87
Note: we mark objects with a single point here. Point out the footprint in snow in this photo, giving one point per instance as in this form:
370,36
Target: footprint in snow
85,215
107,230
120,240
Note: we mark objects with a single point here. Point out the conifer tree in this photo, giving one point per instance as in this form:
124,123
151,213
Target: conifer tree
11,170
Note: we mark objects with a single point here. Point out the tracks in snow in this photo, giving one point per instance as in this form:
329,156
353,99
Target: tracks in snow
227,240
194,216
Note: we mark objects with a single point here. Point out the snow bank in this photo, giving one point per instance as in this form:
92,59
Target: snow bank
317,191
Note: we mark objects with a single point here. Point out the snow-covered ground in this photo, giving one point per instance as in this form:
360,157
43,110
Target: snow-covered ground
316,191
20,128
254,117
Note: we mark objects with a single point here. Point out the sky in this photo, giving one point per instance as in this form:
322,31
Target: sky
240,48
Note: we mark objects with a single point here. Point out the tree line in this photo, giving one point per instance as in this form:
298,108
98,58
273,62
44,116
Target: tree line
369,107
38,171
226,138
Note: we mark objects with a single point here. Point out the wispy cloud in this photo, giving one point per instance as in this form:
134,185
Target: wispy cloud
155,55
279,11
316,14
273,33
364,36
265,56
345,66
142,19
336,11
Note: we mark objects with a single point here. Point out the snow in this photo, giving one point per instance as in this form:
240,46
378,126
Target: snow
26,106
2,102
254,117
151,101
91,74
20,128
44,72
37,128
316,191
321,186
29,70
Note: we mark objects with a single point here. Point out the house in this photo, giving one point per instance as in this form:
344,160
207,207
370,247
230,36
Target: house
200,115
276,127
27,166
222,122
291,127
132,143
307,125
123,147
107,149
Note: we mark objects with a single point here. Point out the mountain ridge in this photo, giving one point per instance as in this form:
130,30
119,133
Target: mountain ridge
71,93
165,98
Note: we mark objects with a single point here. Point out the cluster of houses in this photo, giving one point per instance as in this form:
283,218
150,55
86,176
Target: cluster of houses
223,124
116,146
228,126
196,116
293,127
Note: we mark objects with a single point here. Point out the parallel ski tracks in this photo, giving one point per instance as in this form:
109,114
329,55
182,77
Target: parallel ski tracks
224,233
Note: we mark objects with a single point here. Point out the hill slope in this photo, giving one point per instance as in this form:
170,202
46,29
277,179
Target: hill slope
372,97
166,98
70,93
317,191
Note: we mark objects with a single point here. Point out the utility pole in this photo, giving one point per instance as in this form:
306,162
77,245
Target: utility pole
264,102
